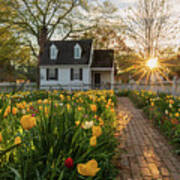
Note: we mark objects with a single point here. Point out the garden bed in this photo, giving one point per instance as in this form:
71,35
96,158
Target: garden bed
57,135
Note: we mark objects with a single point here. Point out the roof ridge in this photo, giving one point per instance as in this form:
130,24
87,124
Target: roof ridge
70,40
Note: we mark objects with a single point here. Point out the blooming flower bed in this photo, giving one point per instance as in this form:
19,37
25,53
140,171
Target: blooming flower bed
57,135
163,109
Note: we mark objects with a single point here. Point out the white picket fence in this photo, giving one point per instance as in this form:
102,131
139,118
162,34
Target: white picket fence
12,86
166,87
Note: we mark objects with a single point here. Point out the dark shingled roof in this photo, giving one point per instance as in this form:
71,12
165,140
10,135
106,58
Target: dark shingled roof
66,52
103,58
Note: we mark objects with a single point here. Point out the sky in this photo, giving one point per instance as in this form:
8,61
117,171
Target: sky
125,3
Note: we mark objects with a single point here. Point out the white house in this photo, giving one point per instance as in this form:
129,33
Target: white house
75,64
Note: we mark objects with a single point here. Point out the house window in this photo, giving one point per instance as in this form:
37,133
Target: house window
53,52
76,74
52,74
77,51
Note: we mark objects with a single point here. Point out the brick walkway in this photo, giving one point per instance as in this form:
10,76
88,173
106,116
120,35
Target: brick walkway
148,155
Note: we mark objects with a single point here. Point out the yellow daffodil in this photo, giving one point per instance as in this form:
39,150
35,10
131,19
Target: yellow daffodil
28,122
97,131
88,169
17,140
93,141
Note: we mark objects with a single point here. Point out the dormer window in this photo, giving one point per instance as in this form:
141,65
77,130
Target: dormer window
77,51
53,52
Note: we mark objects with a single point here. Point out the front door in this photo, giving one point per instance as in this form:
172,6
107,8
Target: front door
97,80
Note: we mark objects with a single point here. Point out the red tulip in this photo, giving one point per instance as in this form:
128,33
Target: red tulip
69,162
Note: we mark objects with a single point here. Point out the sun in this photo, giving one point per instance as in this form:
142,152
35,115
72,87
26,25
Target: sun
152,63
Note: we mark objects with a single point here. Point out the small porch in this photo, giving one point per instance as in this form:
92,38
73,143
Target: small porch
102,78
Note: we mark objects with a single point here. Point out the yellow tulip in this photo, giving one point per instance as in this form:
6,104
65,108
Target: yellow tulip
68,106
61,97
45,101
68,98
14,111
77,123
93,141
39,101
17,140
1,138
177,114
79,108
101,122
171,101
7,111
107,106
93,107
97,131
88,169
46,110
28,122
40,108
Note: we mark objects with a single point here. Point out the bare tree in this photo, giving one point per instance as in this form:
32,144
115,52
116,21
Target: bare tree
150,26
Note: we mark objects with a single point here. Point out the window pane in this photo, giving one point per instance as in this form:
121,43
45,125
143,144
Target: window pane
77,52
76,74
52,73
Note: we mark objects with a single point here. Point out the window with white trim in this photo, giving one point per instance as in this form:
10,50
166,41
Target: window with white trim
77,51
53,52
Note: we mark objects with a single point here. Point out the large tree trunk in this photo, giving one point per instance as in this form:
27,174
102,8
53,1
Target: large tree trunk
42,43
